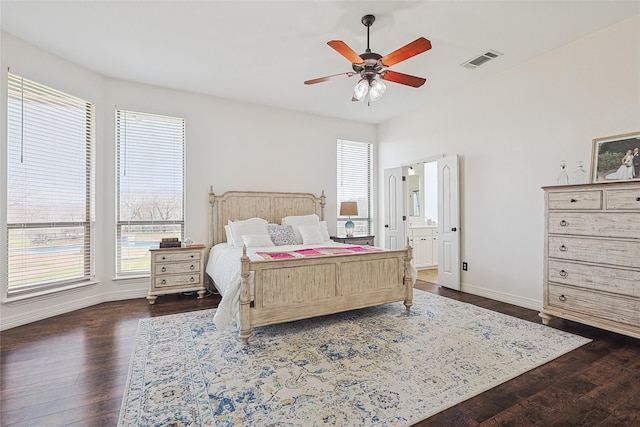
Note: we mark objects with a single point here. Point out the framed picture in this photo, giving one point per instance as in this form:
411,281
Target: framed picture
616,158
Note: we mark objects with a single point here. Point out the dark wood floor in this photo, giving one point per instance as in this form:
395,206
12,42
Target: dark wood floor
71,370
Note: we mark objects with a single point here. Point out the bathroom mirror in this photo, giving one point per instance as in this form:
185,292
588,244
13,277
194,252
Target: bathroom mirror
413,187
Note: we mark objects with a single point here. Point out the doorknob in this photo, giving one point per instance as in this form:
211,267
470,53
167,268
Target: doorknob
454,229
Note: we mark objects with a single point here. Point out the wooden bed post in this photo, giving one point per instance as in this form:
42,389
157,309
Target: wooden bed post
408,279
245,298
323,203
212,218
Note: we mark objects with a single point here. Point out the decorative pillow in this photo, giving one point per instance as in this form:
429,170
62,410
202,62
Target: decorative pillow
229,234
297,221
247,226
257,240
325,231
282,235
311,234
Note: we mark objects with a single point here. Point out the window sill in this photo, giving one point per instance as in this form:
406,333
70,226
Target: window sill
132,277
34,295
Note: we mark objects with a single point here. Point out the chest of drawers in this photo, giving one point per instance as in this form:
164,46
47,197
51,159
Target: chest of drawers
175,270
592,255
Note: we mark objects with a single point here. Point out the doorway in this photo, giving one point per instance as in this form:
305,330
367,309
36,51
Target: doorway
427,201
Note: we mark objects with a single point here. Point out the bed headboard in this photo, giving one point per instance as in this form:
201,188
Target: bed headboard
272,206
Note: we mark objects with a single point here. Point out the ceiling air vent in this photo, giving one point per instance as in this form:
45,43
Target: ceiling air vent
481,59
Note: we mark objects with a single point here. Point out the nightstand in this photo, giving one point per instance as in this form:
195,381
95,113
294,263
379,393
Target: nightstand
355,240
175,270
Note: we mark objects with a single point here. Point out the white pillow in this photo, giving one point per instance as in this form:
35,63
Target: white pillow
229,234
325,231
248,226
257,240
296,221
311,234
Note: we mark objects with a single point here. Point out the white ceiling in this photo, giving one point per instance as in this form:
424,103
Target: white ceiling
262,51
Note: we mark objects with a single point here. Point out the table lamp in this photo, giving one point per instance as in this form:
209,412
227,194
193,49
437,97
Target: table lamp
349,209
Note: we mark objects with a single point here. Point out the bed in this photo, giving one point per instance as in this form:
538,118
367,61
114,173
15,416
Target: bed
262,291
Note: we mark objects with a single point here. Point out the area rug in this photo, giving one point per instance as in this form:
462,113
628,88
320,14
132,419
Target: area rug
378,366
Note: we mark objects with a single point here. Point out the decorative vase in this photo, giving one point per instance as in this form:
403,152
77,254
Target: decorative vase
563,178
579,176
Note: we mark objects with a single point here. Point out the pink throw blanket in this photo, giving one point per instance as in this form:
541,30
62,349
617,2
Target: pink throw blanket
331,250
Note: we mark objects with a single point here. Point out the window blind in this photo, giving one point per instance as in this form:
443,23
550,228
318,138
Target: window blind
50,187
150,186
354,165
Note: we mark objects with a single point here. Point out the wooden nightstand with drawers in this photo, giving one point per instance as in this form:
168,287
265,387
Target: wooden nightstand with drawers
175,270
354,240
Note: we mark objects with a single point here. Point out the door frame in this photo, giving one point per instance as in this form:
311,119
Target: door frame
405,165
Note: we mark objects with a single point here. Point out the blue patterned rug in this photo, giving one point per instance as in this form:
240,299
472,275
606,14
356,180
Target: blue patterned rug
377,366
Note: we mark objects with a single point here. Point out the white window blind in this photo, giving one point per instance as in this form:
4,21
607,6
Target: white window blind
150,186
50,187
355,160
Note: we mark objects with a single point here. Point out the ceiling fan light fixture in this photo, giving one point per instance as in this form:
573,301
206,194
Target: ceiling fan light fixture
361,89
377,89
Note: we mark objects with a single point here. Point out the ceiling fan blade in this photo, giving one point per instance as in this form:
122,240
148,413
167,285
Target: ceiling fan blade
324,79
344,50
405,52
405,79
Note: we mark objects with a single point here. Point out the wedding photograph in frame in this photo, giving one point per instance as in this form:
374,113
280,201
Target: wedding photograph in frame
616,158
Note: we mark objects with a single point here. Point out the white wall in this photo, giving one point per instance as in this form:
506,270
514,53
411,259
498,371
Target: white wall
511,131
230,145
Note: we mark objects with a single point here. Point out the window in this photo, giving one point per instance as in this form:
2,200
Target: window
50,188
355,160
150,186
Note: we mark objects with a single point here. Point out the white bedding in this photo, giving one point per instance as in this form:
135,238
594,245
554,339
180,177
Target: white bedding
223,267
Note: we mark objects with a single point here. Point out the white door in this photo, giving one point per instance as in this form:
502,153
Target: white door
394,230
448,223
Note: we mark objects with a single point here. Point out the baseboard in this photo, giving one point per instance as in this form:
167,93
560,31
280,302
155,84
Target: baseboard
69,306
502,296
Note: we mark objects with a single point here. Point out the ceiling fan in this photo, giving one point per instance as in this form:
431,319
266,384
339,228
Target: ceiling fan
373,68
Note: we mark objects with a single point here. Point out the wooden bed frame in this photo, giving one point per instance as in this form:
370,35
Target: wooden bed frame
287,290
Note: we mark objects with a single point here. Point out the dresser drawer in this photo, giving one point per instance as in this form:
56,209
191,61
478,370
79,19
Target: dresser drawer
623,199
604,306
575,200
177,280
176,268
599,224
613,280
183,255
601,251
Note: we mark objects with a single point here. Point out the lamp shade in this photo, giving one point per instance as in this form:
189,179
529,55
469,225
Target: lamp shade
361,89
349,208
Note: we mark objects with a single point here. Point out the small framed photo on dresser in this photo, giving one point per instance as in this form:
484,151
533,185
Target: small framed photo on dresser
616,158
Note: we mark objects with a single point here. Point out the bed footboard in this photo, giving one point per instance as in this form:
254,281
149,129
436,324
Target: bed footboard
287,290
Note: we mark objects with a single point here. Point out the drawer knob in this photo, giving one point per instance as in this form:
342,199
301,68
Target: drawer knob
562,298
573,200
637,199
193,279
164,282
163,269
563,223
193,267
191,256
563,274
563,248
